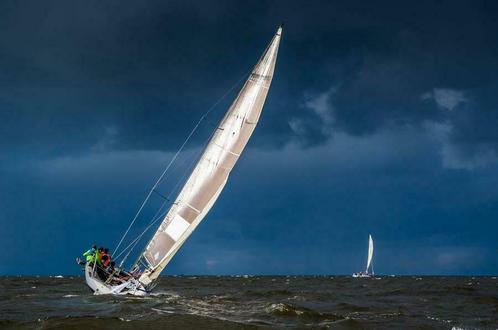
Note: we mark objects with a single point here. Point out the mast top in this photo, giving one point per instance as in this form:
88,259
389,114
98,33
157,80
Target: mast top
280,28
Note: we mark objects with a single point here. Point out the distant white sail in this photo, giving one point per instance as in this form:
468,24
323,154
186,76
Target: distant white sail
370,251
211,172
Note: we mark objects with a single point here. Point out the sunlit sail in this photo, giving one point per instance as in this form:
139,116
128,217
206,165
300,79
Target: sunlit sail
370,252
211,173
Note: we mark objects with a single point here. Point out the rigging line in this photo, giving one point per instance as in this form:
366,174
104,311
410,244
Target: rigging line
154,220
194,161
166,200
174,158
161,195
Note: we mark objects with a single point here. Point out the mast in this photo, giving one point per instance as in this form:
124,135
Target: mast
211,173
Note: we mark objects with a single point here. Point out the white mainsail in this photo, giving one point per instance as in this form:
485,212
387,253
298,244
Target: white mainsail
370,252
210,174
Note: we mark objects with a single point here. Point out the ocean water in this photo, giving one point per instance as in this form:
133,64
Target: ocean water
226,302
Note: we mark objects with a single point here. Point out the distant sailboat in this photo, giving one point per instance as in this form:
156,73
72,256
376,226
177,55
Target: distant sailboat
369,260
202,188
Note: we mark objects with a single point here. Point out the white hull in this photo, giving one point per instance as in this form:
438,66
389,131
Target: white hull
131,287
361,275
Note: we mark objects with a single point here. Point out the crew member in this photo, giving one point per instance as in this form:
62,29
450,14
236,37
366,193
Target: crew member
89,256
105,258
99,255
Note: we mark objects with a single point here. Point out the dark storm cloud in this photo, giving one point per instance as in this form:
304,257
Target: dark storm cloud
77,70
475,124
147,72
385,60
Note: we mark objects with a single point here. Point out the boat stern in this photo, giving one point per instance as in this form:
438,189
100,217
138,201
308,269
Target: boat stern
131,287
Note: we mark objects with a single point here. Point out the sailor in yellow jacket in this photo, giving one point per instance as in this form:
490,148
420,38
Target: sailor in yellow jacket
90,256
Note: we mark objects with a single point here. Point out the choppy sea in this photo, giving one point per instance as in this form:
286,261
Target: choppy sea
232,302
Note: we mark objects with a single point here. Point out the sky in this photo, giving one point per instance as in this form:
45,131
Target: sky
382,119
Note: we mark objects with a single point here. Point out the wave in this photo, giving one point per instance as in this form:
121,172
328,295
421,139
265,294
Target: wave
352,307
226,302
284,309
92,322
268,293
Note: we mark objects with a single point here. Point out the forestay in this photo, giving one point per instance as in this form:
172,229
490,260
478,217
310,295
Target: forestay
211,172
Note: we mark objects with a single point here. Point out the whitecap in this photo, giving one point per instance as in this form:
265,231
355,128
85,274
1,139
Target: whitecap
437,319
164,293
162,311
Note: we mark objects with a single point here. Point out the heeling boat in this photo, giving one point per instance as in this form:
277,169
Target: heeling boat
369,260
204,185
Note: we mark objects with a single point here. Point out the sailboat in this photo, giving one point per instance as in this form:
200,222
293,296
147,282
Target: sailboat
369,260
202,188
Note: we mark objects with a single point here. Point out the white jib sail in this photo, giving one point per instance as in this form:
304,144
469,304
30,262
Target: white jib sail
211,172
370,251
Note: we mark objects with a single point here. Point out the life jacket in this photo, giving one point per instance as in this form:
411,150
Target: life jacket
105,261
98,257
